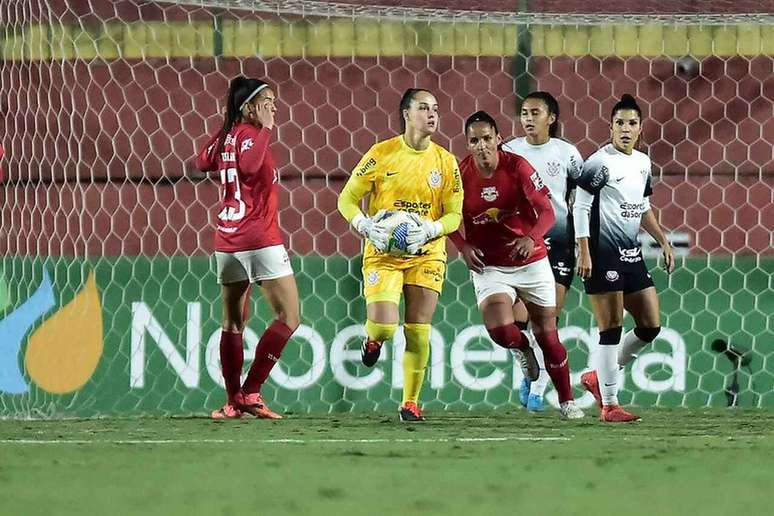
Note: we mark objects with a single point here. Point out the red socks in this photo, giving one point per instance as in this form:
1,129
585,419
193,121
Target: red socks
556,363
231,360
267,352
508,336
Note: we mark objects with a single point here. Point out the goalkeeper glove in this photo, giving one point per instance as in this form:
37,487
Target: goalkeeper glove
424,231
370,229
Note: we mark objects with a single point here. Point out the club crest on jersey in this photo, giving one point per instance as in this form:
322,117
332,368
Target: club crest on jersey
489,193
246,145
611,275
373,278
434,179
553,168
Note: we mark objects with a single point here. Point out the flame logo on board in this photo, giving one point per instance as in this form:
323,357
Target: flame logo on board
64,351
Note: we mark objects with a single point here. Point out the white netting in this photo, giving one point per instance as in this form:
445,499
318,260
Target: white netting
108,298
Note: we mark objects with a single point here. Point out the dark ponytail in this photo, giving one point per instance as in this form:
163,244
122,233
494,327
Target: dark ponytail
405,103
626,102
240,89
553,109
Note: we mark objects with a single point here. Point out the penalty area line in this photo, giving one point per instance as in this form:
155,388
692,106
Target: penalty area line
285,441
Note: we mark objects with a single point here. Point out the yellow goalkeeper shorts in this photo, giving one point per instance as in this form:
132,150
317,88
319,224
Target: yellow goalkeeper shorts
385,276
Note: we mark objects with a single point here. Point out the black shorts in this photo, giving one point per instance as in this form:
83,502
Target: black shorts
626,278
562,264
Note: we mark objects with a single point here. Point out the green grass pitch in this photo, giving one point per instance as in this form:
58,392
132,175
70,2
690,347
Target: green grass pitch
680,461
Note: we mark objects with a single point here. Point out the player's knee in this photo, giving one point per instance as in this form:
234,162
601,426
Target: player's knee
289,316
291,319
610,336
380,332
647,334
507,336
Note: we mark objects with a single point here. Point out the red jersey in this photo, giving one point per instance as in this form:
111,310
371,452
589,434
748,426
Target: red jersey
496,210
247,218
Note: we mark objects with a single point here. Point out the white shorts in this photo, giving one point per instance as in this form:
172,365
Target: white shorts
533,282
260,264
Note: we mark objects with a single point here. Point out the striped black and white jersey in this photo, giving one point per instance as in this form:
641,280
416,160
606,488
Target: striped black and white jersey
613,195
559,164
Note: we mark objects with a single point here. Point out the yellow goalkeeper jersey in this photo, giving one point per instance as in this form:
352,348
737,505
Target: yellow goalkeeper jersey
398,177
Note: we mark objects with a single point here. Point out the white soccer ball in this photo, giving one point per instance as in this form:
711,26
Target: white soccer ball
397,224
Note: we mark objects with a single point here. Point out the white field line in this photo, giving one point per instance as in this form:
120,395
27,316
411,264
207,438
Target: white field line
512,438
282,441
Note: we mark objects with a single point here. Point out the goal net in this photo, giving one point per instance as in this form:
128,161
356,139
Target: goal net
108,298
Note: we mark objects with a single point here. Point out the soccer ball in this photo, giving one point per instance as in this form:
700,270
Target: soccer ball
397,224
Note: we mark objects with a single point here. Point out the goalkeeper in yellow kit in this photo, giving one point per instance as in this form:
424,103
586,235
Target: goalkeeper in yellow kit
408,173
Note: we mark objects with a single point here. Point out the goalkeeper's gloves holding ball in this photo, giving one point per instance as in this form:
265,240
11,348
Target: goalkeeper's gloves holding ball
372,230
420,234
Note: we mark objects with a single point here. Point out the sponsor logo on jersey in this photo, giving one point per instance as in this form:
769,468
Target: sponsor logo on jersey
562,269
366,166
492,215
228,156
246,145
390,174
373,278
420,208
457,181
575,169
598,179
553,168
631,210
489,193
230,140
537,181
434,179
632,255
433,272
611,276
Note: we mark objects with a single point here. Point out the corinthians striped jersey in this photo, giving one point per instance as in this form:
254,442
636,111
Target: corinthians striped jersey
559,164
613,195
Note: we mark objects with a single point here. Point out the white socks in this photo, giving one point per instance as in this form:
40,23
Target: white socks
607,374
631,345
539,386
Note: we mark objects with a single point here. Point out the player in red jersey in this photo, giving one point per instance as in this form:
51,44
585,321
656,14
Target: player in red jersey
248,244
506,211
